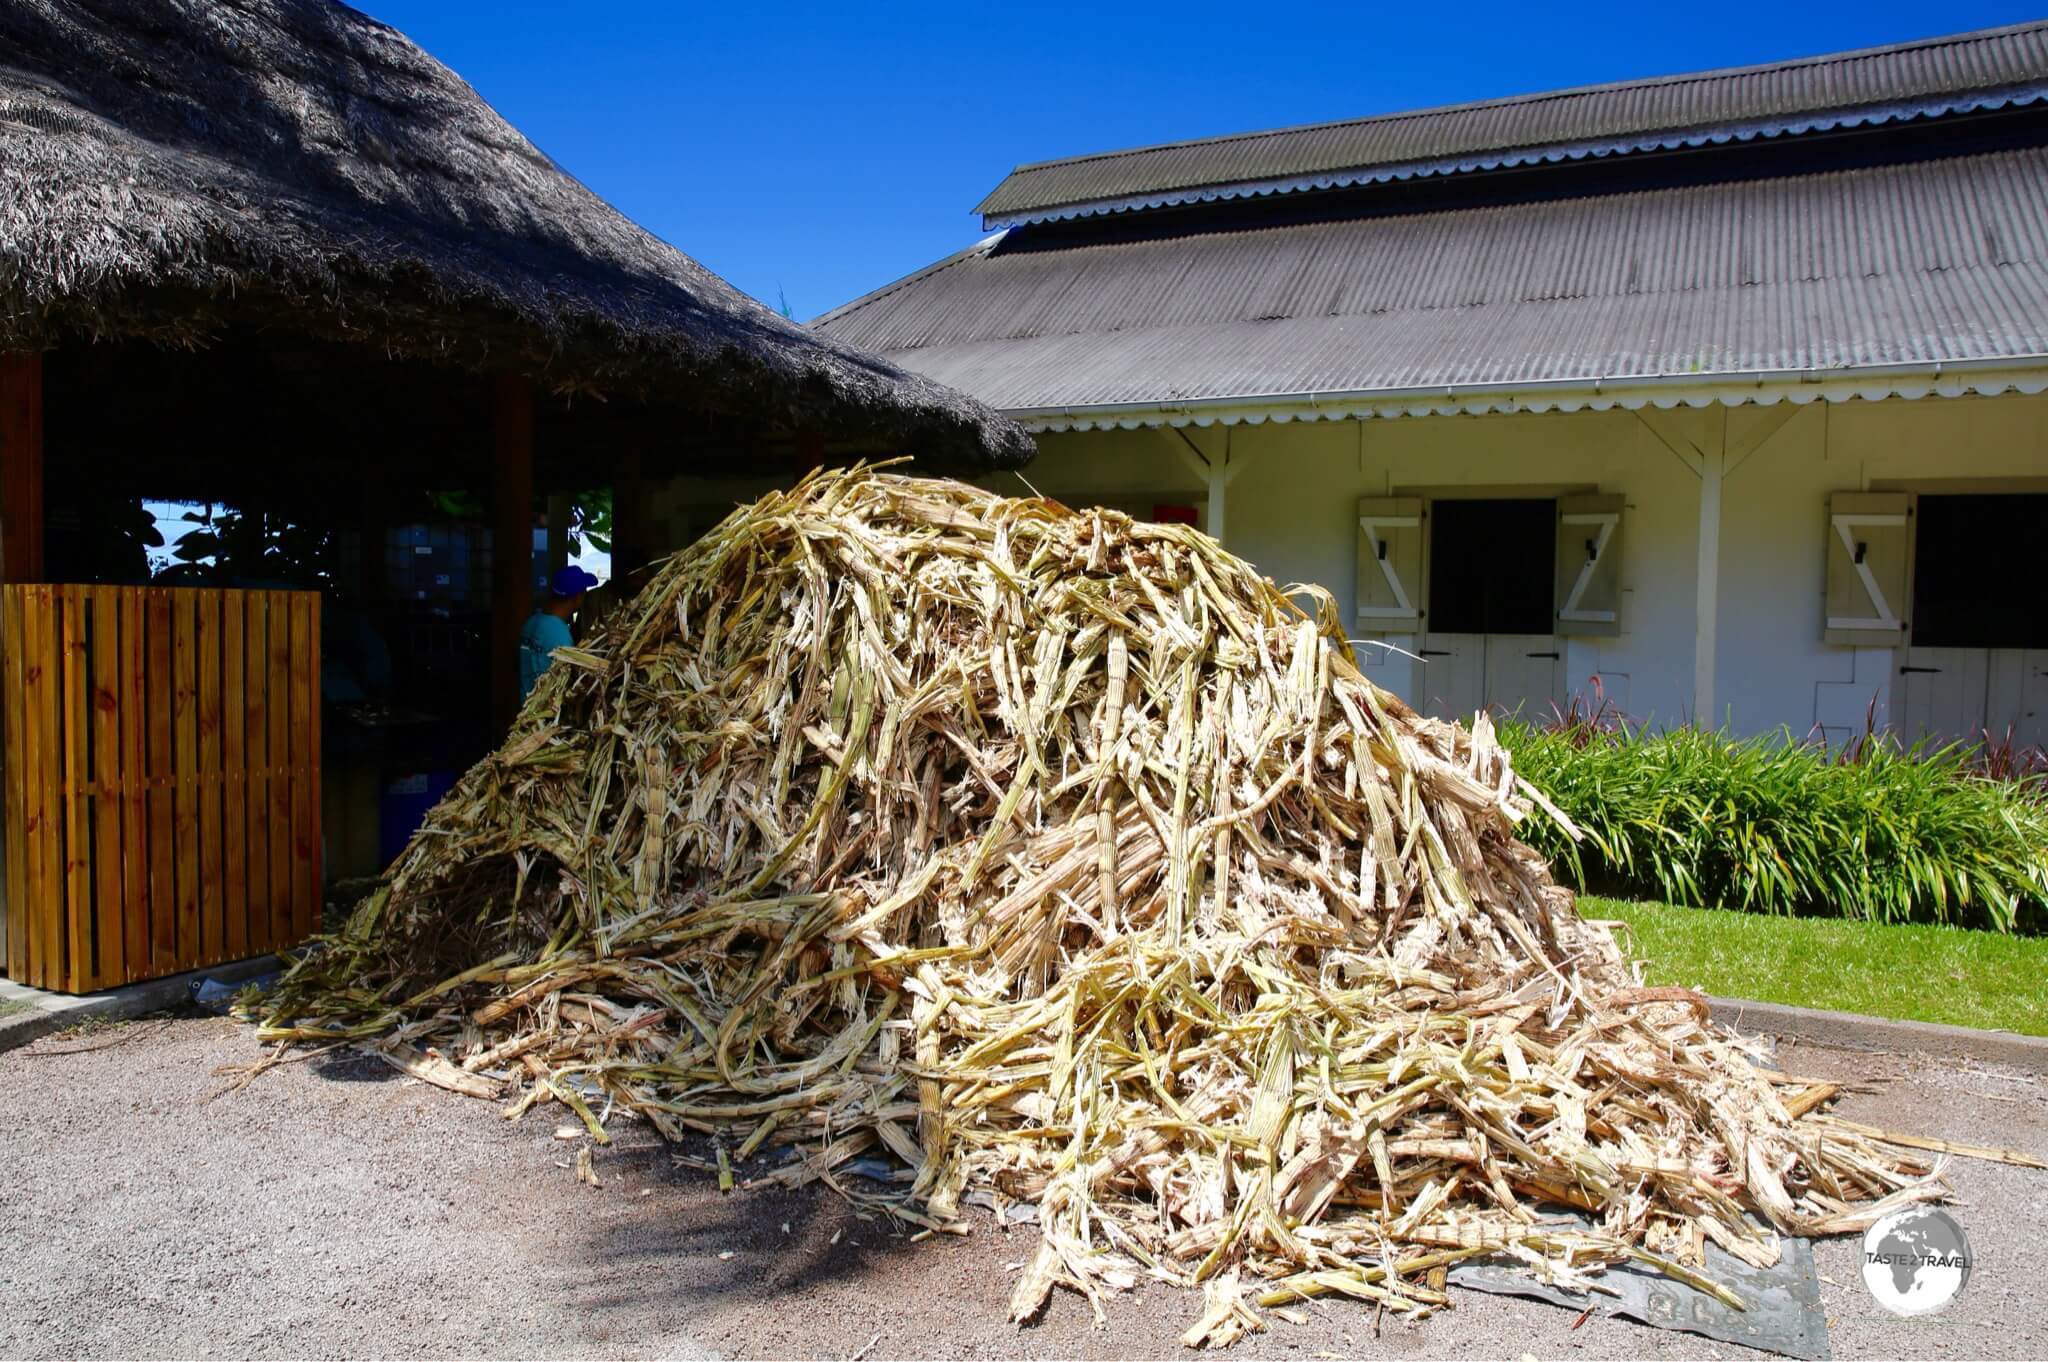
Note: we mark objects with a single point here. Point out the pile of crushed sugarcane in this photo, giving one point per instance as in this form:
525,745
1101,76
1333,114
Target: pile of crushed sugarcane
1066,860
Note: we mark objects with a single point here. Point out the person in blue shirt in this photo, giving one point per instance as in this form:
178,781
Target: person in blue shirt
549,627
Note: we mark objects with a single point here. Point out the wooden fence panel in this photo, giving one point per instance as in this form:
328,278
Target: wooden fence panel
49,815
185,771
305,895
264,928
110,935
135,793
77,807
161,784
11,690
163,879
234,823
45,774
281,767
212,900
316,866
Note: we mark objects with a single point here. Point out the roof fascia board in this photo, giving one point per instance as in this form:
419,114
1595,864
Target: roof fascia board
1821,120
2026,374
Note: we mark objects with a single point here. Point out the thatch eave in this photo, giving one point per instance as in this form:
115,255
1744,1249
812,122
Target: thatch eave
173,169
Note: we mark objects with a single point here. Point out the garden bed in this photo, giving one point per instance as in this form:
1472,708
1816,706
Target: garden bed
1774,824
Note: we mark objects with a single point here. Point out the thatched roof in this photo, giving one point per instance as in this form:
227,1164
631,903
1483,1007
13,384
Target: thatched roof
171,168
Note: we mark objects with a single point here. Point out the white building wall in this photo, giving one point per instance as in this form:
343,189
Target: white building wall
1774,667
1291,509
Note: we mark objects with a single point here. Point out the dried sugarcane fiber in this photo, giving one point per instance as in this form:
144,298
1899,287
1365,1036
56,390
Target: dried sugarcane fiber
1067,860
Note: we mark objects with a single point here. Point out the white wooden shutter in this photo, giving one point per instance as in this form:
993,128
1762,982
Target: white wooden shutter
1390,563
1869,543
1589,564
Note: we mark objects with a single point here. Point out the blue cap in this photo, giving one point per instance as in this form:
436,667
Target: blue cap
571,581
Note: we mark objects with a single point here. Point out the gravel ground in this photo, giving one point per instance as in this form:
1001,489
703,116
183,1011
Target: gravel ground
337,1208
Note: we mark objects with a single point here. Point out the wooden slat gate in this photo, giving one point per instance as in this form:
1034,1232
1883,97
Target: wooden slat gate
162,779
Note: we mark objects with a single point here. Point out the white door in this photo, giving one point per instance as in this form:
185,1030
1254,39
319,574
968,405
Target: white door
1962,694
1522,672
1450,682
1944,693
1464,673
1976,669
2016,696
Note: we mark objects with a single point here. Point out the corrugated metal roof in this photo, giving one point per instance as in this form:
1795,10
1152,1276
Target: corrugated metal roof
1934,261
1934,75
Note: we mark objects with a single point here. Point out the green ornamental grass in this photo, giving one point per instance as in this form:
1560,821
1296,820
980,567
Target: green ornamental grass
1771,824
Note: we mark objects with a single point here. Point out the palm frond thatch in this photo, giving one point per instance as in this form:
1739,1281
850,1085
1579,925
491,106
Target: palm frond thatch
172,167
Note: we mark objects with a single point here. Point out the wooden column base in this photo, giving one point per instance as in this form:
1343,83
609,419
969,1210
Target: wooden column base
21,466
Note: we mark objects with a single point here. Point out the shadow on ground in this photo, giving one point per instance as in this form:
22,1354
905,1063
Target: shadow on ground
675,1240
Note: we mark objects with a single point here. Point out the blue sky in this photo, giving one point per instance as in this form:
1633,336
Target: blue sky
814,153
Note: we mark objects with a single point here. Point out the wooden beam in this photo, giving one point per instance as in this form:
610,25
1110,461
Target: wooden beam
1706,457
1671,434
1214,471
1773,420
21,466
511,537
1707,593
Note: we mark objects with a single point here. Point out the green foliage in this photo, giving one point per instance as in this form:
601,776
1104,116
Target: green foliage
590,518
1774,825
234,547
107,538
460,504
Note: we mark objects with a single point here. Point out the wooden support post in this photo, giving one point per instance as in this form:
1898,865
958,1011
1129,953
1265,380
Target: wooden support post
629,513
1707,605
1711,459
21,560
1215,471
511,538
21,466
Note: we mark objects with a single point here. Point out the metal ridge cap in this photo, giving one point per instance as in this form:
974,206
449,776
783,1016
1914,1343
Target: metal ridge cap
1621,85
1507,158
1537,97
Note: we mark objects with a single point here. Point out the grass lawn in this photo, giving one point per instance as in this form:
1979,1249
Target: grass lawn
1932,974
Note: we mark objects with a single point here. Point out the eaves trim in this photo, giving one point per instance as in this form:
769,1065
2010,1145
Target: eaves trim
2026,374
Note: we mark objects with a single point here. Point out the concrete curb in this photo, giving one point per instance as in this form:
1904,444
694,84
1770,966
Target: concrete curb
47,1012
1853,1031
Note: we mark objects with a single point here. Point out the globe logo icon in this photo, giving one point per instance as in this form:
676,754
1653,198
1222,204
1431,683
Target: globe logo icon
1916,1261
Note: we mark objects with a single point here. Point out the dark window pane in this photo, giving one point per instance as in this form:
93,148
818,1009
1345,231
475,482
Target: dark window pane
1490,566
1975,559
